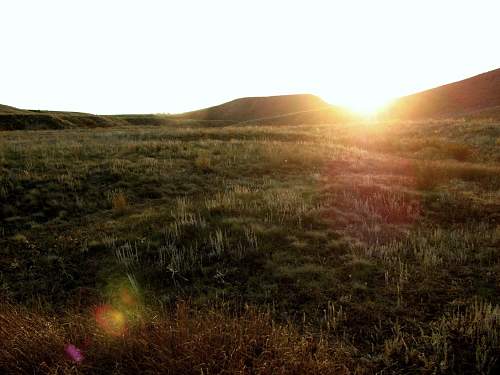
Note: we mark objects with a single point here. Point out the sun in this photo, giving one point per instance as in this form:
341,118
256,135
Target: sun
366,109
362,103
366,106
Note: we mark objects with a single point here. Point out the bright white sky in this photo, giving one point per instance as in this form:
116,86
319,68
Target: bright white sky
145,56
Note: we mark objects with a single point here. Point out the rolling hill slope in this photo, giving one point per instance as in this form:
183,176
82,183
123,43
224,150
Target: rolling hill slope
257,108
5,109
478,97
12,118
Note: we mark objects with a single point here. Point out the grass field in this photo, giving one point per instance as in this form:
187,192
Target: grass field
350,248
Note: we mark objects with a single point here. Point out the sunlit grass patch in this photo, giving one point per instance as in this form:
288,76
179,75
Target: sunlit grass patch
180,341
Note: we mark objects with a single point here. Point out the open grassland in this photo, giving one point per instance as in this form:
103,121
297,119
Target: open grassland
356,248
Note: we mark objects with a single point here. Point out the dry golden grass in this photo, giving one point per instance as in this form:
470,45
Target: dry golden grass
203,163
119,201
183,341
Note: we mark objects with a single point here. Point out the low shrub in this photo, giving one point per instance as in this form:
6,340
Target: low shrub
203,163
458,151
119,201
427,176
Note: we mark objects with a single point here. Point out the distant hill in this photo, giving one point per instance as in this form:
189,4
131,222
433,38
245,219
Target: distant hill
12,118
258,108
271,110
477,97
5,109
38,121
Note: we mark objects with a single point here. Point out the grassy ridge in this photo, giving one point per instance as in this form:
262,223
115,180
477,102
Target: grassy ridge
5,109
370,248
18,119
43,121
474,98
48,120
477,96
252,108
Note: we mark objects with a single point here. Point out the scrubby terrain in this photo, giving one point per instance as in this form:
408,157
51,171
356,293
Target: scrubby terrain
348,248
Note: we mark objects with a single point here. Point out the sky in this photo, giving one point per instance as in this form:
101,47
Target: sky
146,56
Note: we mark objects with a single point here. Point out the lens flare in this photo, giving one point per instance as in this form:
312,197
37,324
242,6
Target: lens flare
127,297
73,353
124,308
112,321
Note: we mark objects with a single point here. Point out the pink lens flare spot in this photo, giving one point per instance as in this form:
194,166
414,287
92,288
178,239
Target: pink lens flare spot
73,353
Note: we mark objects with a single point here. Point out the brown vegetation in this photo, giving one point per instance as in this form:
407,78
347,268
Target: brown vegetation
476,97
184,341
